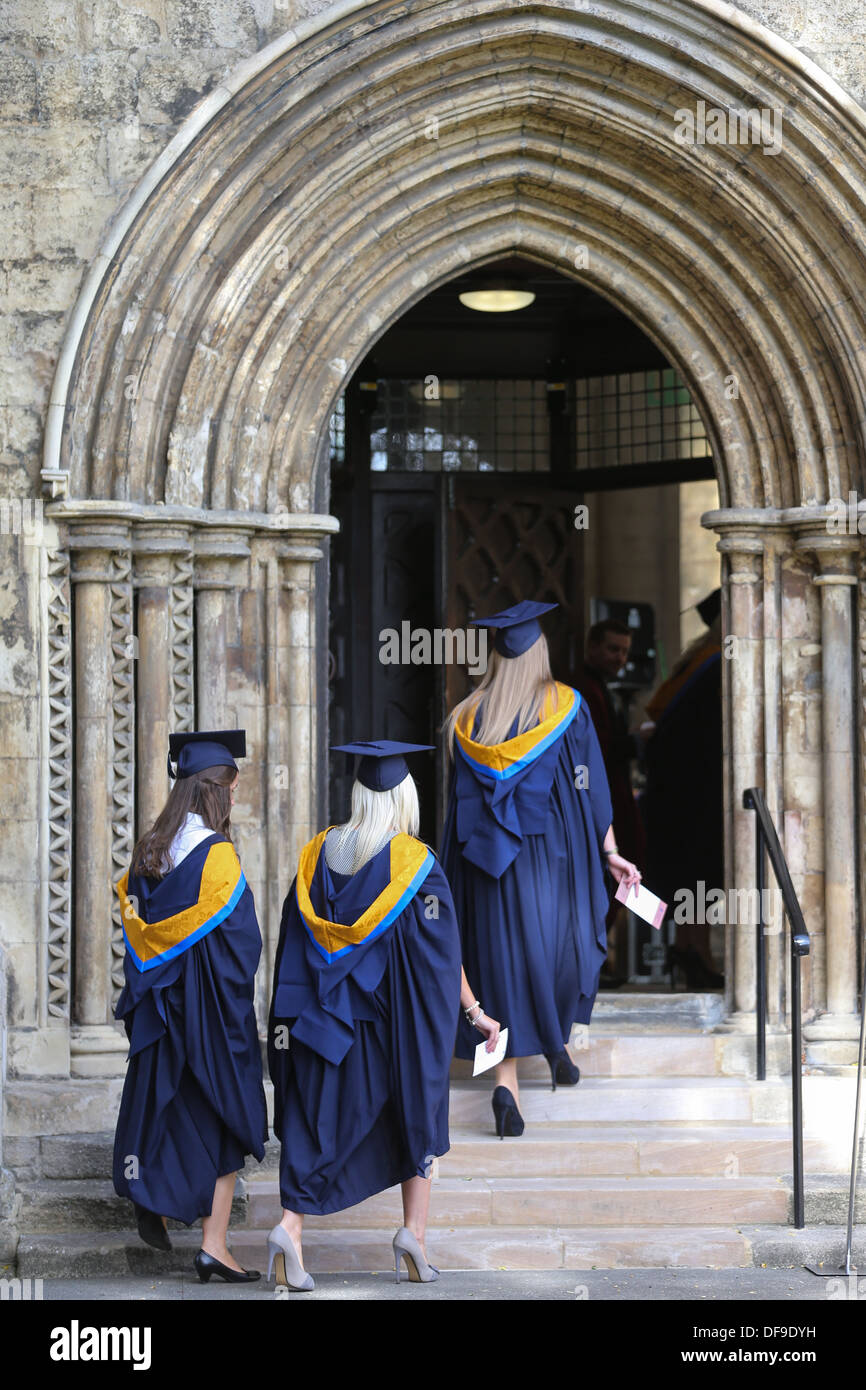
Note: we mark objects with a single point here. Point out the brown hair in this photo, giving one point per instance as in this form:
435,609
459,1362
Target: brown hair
599,630
206,793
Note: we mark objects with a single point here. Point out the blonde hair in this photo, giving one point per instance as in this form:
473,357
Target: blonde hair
512,687
377,815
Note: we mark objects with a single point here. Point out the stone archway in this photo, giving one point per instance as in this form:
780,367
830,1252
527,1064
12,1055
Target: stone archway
346,171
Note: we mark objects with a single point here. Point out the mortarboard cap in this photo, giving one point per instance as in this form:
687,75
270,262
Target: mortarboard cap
710,607
518,626
382,764
194,752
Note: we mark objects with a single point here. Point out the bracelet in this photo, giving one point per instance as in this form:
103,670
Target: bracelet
611,851
467,1012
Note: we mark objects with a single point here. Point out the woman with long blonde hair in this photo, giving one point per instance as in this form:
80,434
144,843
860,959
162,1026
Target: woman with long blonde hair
527,837
367,989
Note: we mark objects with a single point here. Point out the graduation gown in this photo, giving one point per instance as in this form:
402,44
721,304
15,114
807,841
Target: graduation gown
193,1103
521,847
363,1017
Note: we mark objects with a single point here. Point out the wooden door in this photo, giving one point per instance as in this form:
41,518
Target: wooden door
513,538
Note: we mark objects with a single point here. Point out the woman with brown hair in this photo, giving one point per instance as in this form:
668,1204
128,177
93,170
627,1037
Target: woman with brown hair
193,1103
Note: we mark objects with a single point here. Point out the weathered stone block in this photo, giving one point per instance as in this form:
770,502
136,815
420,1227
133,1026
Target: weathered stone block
42,27
22,1156
17,89
20,780
19,914
18,658
129,24
61,1107
77,1155
43,285
18,723
22,979
19,856
216,23
16,219
89,87
131,149
66,155
39,1052
67,223
170,87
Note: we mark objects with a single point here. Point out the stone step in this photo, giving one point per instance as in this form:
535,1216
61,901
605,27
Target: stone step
104,1254
673,1009
608,1050
561,1151
826,1203
648,1150
828,1102
504,1247
575,1201
89,1204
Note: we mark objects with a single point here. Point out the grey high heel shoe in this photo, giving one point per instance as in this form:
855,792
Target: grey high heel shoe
406,1246
282,1252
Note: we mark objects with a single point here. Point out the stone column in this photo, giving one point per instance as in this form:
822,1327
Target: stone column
156,551
96,1044
836,581
743,723
297,636
219,553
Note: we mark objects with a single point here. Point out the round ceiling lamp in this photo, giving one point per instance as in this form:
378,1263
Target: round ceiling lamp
497,296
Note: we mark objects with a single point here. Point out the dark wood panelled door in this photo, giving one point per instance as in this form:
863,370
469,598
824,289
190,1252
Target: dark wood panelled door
511,538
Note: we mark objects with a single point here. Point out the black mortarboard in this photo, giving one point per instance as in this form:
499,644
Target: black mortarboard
518,626
195,752
382,764
710,607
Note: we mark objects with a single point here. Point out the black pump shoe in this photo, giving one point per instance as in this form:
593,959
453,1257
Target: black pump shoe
562,1069
506,1114
151,1229
206,1265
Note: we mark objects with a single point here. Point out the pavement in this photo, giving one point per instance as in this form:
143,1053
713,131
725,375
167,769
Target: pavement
561,1285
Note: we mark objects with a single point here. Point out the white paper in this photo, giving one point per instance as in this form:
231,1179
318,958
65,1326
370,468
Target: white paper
485,1059
640,900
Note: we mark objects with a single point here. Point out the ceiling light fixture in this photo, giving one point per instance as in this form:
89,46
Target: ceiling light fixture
497,296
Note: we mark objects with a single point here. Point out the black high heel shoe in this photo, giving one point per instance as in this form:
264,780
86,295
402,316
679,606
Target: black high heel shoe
206,1265
151,1229
506,1114
562,1069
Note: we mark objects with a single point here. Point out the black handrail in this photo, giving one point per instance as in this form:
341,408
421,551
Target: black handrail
767,839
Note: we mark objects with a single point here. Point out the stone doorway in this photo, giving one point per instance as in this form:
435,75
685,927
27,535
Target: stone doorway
277,238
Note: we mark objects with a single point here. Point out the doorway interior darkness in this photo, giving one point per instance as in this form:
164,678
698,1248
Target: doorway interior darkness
462,446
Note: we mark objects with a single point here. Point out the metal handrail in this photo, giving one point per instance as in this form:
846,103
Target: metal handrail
767,840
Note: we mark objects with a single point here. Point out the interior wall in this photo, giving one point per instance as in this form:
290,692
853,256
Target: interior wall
648,544
632,553
700,561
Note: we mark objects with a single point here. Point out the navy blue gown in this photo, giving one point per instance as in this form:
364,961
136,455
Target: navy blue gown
521,847
193,1103
363,1018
